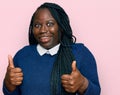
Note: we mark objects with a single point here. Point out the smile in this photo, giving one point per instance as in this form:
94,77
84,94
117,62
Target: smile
44,39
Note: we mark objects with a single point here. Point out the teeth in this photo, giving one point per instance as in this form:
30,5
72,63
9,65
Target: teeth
44,37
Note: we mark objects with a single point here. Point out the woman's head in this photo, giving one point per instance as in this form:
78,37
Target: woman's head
45,28
64,31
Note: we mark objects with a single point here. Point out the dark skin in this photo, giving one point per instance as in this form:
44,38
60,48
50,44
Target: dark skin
45,30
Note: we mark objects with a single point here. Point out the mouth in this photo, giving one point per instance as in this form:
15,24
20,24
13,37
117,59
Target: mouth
44,39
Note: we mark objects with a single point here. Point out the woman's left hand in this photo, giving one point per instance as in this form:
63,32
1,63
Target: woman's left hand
75,81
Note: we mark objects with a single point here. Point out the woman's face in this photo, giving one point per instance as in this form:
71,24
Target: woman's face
45,28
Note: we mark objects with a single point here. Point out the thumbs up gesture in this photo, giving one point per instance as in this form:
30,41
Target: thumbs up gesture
75,81
14,76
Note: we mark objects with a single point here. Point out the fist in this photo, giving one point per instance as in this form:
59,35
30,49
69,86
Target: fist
72,82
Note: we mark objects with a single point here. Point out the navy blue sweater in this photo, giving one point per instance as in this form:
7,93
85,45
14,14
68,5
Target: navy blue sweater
37,70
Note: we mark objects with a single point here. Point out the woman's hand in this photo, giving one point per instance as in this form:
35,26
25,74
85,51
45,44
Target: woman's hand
14,76
75,81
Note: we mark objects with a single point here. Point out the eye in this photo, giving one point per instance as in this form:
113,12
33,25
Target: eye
50,24
37,25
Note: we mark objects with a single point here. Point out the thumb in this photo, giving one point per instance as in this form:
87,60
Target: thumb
74,67
10,61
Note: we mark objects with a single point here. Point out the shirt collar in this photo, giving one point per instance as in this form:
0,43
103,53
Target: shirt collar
51,51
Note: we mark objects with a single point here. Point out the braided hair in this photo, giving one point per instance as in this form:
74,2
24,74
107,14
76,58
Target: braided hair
62,64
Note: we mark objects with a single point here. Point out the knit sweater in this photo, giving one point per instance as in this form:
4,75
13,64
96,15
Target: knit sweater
37,70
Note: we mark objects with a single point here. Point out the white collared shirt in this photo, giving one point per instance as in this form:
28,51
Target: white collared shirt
51,51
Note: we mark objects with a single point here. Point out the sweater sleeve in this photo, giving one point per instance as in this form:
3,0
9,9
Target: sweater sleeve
87,66
6,92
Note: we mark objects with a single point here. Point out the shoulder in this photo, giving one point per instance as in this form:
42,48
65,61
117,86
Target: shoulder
77,45
79,49
27,48
25,51
84,57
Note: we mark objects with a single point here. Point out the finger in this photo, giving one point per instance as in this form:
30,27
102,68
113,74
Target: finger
19,74
10,61
68,82
74,67
17,83
65,77
16,70
19,79
15,75
16,80
65,81
67,88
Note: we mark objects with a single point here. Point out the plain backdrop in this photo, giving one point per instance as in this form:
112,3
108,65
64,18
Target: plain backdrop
96,23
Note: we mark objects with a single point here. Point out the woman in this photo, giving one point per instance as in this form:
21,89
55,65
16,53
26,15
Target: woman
53,64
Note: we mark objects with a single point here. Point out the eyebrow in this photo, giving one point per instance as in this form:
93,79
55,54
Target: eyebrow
47,20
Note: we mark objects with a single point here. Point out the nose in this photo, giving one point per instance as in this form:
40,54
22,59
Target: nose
43,29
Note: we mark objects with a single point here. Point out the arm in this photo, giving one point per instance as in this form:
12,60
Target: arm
87,67
83,78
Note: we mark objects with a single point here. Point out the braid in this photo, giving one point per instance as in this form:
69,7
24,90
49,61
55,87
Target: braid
62,64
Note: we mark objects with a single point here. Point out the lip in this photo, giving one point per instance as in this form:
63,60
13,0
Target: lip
44,39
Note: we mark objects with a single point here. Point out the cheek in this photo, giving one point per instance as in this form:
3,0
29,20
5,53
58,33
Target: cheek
54,30
35,32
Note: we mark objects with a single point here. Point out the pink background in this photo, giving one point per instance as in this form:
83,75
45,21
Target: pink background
96,23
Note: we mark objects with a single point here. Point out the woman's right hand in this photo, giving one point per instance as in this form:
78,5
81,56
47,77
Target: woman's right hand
14,76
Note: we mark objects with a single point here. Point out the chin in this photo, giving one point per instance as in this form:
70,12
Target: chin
46,46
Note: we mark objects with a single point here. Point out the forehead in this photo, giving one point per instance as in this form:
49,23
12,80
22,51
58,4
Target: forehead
43,13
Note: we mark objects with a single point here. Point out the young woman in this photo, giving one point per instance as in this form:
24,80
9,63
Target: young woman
52,63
